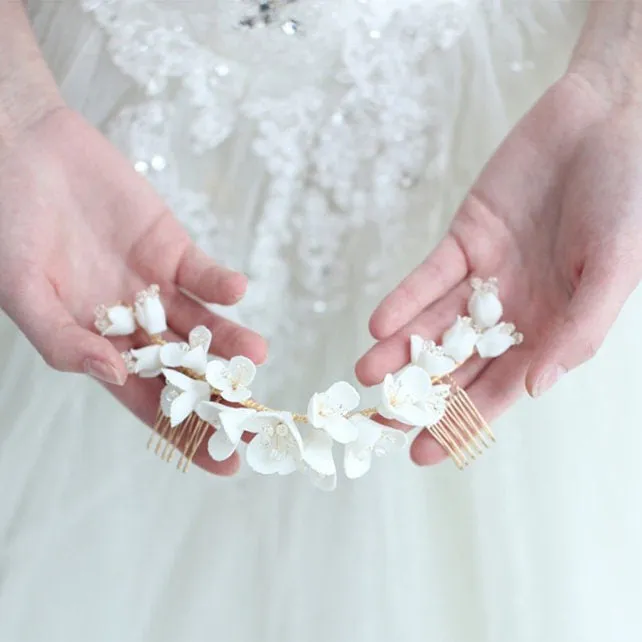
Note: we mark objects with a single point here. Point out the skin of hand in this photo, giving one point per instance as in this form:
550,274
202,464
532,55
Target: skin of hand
78,227
556,216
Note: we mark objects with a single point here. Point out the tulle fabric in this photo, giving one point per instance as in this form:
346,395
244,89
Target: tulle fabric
538,541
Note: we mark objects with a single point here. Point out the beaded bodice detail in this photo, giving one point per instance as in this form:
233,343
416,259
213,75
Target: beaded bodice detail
302,142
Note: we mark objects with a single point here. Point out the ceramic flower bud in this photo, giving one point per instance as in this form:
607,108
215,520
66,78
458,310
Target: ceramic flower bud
459,342
117,321
150,312
144,362
497,340
484,305
430,357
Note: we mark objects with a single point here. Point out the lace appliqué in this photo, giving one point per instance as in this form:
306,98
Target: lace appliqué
349,125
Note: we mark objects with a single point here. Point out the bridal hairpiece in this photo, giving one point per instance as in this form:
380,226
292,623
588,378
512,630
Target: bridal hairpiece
208,397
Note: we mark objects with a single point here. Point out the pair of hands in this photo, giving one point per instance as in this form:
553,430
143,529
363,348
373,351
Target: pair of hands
554,216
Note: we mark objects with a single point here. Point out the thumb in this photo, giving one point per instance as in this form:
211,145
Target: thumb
581,330
63,343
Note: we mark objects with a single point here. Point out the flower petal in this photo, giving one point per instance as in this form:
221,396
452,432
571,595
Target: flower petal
390,441
148,363
317,453
220,447
411,415
236,395
217,375
356,462
168,394
417,347
459,341
232,420
195,360
200,337
172,354
369,431
121,320
150,312
242,370
178,379
182,407
485,308
327,483
210,411
341,429
343,396
496,341
436,365
314,407
415,381
259,459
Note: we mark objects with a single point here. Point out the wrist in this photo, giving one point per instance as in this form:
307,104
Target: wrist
608,55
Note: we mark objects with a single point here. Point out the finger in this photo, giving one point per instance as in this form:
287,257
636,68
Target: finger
228,338
63,343
577,336
210,282
444,268
426,451
393,353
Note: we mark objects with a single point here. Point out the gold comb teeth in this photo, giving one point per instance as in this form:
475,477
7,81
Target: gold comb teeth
462,432
185,438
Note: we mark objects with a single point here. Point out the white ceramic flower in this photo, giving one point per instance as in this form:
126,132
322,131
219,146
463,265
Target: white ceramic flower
116,321
190,394
459,341
227,422
411,398
317,453
150,312
484,305
374,439
277,447
431,357
497,340
192,355
232,379
144,362
327,410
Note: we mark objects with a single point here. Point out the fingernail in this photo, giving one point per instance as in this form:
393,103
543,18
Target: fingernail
548,379
104,372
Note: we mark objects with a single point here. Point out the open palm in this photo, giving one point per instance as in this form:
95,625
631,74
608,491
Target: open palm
555,215
78,227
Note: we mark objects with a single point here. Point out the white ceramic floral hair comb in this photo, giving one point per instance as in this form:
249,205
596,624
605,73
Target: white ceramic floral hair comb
205,396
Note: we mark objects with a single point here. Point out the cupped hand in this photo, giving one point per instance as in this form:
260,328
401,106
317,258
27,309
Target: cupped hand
79,227
556,215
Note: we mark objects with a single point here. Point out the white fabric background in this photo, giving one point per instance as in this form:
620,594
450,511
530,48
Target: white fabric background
538,541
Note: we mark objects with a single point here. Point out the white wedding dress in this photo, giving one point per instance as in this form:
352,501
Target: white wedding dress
320,147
